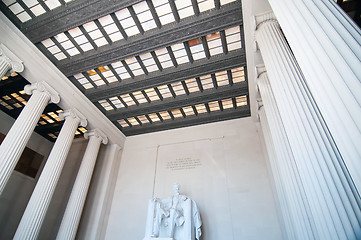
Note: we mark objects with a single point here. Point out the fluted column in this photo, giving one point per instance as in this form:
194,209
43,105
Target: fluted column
9,61
71,218
333,203
299,222
19,134
35,211
327,46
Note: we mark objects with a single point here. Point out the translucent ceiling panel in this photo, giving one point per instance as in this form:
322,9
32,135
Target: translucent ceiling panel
80,39
143,119
164,58
105,105
83,81
66,44
205,5
149,62
52,4
222,78
177,113
180,53
207,82
237,75
164,90
213,106
152,95
111,28
53,49
128,99
178,88
134,66
224,2
109,76
164,11
227,103
201,108
188,111
117,103
140,97
96,78
185,8
133,121
123,123
196,48
165,115
192,85
127,22
154,117
241,101
95,34
121,70
144,15
233,38
214,43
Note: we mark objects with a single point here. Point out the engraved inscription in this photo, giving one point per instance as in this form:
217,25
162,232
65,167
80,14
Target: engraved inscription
183,164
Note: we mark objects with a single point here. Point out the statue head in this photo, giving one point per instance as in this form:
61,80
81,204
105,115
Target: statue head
176,188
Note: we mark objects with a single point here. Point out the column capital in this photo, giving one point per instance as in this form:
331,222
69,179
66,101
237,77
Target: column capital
264,18
11,58
98,134
74,113
260,69
43,87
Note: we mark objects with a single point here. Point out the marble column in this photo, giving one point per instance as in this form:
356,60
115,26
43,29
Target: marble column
294,205
19,134
71,218
9,61
38,204
327,46
333,203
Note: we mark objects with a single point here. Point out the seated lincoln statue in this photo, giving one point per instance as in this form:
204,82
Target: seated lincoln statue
175,217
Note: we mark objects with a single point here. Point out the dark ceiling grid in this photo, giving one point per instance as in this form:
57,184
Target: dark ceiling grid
140,99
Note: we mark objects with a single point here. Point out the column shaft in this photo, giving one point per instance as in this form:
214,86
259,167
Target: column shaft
35,211
333,205
71,218
5,66
327,46
19,134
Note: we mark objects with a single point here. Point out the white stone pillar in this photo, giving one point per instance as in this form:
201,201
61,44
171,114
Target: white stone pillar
19,134
327,46
71,218
333,203
294,205
9,61
35,211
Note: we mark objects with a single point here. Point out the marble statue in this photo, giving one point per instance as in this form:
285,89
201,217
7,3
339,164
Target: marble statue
175,217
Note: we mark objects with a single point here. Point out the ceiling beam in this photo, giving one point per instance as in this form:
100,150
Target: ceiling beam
182,72
203,118
192,99
73,14
187,29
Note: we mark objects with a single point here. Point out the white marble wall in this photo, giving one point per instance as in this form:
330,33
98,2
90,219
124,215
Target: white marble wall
231,186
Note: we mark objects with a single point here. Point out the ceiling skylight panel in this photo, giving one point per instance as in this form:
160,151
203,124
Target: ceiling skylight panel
105,105
214,106
154,117
67,44
222,78
144,15
152,94
34,7
178,88
143,119
233,37
83,81
185,8
140,97
188,111
192,85
95,33
164,58
134,66
117,103
214,43
201,108
121,70
164,90
241,101
80,39
6,105
205,5
133,121
227,103
96,79
110,28
52,4
127,22
176,113
238,75
164,11
149,62
165,115
196,48
109,75
128,99
224,2
206,82
18,10
123,123
180,53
